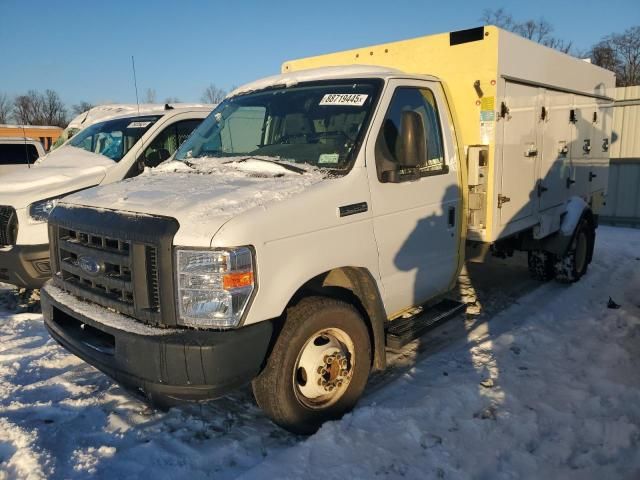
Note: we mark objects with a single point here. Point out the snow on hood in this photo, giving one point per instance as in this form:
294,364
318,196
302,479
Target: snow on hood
64,170
204,195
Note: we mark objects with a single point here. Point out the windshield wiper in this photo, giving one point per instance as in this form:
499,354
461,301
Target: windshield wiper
284,165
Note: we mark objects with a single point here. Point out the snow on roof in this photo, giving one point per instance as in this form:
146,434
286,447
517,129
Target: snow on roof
117,110
312,74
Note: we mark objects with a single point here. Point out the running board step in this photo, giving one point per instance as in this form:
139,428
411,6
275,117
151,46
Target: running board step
403,330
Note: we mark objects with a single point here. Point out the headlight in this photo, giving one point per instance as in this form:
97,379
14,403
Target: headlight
40,211
214,286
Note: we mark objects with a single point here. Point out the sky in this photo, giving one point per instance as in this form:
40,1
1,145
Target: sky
83,49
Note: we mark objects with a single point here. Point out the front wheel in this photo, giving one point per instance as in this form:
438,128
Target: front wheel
319,365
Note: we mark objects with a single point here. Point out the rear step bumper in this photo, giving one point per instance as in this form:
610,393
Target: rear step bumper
404,330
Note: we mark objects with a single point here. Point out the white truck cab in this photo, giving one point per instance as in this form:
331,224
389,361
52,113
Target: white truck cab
116,147
319,216
18,153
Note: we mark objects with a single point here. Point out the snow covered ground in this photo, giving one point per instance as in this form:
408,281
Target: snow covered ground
538,381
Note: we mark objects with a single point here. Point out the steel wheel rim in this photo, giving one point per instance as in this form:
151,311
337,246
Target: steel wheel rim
324,368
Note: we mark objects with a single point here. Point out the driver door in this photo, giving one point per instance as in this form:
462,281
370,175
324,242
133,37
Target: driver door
416,220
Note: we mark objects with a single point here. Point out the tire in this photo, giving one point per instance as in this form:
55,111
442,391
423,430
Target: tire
289,388
574,263
541,265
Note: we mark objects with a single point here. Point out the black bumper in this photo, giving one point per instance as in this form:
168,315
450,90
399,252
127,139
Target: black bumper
165,368
26,266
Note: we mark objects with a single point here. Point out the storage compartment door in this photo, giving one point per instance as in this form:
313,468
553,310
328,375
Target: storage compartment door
600,148
519,154
583,147
555,167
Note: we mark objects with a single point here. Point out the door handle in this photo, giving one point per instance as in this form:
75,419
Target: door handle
570,182
592,176
452,216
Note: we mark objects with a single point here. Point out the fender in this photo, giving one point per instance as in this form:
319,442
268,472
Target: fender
357,286
559,243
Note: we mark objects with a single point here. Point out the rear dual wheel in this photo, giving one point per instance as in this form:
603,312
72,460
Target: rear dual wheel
319,365
571,266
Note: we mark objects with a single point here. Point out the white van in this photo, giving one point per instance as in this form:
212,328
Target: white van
101,113
105,152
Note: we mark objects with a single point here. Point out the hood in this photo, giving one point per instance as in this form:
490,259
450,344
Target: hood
66,169
203,198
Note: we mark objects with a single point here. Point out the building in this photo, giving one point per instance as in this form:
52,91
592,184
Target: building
623,198
44,133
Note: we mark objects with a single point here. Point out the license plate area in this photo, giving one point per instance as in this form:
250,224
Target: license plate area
85,334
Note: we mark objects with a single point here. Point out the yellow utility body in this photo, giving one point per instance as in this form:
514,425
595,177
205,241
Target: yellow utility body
541,120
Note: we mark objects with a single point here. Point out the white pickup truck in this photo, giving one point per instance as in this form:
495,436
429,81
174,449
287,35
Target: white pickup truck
112,149
320,216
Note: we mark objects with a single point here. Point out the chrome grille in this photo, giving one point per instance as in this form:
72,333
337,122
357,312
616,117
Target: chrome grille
113,278
121,261
8,225
113,282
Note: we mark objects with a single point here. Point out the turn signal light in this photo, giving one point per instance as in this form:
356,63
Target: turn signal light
237,280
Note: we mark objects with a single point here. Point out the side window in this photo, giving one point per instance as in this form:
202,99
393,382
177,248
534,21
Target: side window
388,144
167,142
186,128
17,154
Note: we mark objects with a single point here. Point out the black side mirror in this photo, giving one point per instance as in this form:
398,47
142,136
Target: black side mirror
153,159
411,149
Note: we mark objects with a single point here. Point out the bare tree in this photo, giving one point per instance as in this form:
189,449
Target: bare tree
213,94
54,110
5,108
149,96
498,17
620,52
540,30
81,107
36,108
627,46
172,100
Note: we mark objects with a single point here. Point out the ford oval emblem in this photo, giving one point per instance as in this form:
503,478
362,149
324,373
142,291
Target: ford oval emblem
90,265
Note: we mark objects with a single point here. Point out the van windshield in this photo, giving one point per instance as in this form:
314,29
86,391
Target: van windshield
113,138
321,124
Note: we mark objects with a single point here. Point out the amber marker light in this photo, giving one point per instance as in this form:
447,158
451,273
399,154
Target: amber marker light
237,280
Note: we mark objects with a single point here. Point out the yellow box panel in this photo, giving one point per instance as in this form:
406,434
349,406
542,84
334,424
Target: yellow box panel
458,66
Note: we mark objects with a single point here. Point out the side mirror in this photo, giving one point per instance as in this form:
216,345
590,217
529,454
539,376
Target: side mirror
411,149
153,159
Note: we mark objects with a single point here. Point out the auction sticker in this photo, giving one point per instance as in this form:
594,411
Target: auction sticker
138,124
352,99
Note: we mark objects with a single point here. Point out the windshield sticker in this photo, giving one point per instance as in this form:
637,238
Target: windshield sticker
328,158
352,99
138,124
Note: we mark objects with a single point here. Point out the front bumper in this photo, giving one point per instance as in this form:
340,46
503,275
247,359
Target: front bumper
26,266
165,366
